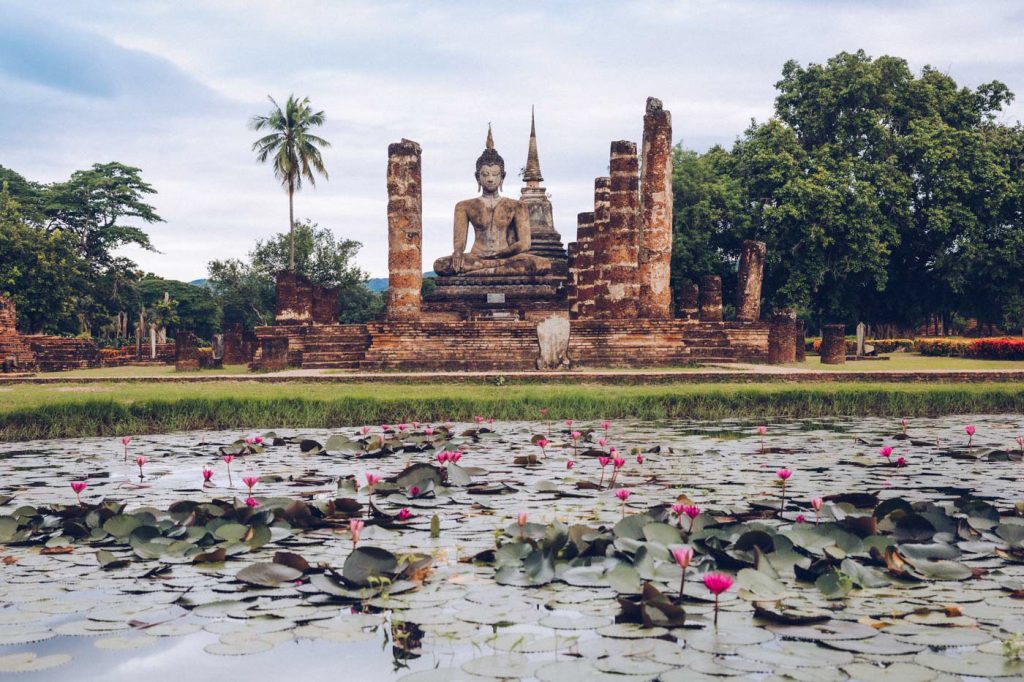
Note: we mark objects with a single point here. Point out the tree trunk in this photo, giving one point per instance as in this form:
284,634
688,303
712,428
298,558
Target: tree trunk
291,228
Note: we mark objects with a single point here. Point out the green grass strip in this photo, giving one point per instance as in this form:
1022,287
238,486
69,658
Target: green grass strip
32,412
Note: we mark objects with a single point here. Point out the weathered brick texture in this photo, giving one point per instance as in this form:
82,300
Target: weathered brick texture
405,230
749,277
655,252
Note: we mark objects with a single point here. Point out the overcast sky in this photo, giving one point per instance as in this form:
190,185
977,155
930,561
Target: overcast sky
169,86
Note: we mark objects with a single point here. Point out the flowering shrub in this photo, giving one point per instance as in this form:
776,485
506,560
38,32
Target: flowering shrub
989,349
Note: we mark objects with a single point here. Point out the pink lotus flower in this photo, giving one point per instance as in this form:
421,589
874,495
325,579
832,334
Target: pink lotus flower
623,495
140,461
429,431
372,479
404,514
521,520
602,442
570,464
816,503
639,459
969,430
126,441
478,419
885,451
454,456
619,462
355,528
568,422
1020,442
365,430
717,583
800,518
683,557
606,425
543,444
691,511
415,425
783,475
250,482
207,475
901,462
227,460
490,420
385,427
251,502
403,427
78,487
604,461
575,435
414,491
442,456
903,423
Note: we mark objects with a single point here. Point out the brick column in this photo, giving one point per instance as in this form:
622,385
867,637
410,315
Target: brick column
748,288
592,284
781,337
572,282
710,298
405,230
655,254
800,340
234,354
618,288
186,353
689,297
833,344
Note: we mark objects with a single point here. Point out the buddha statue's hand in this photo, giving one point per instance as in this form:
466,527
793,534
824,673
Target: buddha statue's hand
457,260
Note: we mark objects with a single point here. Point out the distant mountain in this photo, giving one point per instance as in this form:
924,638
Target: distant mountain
379,284
199,282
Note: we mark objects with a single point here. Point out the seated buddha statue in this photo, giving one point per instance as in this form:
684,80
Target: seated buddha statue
501,228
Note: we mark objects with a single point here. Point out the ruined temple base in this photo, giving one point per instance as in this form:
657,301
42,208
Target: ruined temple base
509,344
485,297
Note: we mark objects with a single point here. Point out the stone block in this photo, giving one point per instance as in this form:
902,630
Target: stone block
782,337
186,352
553,339
749,277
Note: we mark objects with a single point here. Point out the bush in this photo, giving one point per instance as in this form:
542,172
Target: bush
987,349
880,345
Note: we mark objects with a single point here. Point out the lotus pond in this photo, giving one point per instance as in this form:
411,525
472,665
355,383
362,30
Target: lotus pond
520,550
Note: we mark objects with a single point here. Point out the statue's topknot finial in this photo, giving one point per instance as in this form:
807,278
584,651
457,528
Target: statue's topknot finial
490,156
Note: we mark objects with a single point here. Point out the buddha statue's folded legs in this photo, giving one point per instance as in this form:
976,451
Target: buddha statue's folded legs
520,265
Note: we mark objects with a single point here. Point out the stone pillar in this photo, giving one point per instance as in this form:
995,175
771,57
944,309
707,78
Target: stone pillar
655,253
800,340
781,338
584,266
405,230
833,344
186,353
710,298
594,286
689,298
617,288
748,287
294,294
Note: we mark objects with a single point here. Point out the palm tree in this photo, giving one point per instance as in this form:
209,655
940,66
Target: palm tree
295,151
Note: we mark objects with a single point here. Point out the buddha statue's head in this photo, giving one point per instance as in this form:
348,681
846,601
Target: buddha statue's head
490,167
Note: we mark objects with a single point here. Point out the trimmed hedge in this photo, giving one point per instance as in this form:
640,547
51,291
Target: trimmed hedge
986,349
881,345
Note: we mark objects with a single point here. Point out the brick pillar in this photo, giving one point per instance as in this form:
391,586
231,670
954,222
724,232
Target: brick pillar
748,289
655,253
186,353
710,298
325,305
800,340
293,299
833,344
689,298
234,354
782,337
572,281
405,230
584,265
617,288
593,285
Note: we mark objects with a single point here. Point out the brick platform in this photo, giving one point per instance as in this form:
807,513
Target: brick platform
512,345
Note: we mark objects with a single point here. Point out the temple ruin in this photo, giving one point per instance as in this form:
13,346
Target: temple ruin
497,304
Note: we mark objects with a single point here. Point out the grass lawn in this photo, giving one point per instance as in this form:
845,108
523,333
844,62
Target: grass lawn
64,410
909,362
143,371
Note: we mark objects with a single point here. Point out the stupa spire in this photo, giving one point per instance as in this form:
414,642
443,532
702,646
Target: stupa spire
532,174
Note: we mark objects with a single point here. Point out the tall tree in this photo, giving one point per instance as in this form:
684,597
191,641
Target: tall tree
294,149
